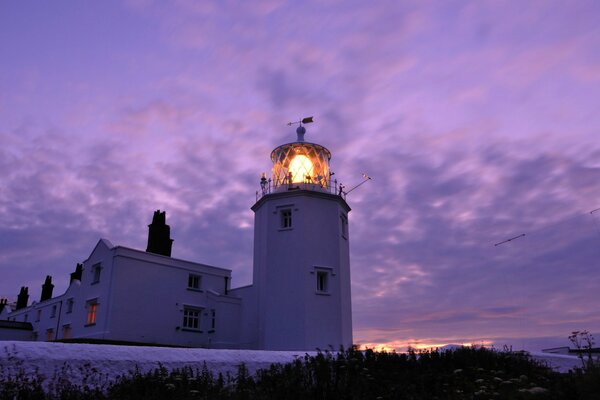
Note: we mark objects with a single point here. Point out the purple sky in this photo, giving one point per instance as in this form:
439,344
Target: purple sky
477,121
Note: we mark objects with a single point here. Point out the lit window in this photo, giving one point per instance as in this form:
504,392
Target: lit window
66,331
70,303
92,310
286,218
49,335
38,316
96,269
53,313
191,318
194,281
322,281
344,226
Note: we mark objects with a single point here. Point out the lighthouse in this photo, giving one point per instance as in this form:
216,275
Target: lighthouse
301,252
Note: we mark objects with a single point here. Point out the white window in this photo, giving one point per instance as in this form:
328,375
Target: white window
53,313
92,311
194,281
286,218
191,318
344,226
322,281
70,303
96,270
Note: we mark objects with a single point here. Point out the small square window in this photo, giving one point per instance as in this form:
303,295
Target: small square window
191,318
96,270
194,281
286,218
322,281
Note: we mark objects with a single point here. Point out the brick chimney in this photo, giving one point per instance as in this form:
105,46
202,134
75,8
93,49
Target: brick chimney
22,298
77,274
159,235
47,289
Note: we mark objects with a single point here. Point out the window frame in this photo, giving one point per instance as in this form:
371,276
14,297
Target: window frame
187,323
198,278
91,315
96,273
70,304
323,277
285,218
344,226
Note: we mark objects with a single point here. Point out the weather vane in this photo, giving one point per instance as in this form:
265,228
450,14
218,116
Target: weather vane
306,120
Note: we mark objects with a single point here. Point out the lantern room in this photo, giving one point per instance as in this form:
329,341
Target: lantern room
301,164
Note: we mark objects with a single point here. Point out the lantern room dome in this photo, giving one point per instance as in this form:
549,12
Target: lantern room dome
301,163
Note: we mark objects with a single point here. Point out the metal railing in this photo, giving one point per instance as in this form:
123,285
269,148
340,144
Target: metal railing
267,186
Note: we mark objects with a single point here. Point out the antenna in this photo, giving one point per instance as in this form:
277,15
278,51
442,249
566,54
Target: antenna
306,120
366,178
509,240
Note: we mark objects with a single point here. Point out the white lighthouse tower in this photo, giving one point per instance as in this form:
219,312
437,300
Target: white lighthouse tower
301,253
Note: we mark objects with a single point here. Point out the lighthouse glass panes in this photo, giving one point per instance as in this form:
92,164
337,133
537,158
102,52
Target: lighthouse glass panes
300,162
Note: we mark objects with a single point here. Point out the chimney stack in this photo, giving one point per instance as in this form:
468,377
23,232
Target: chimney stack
77,274
22,298
47,289
3,303
159,235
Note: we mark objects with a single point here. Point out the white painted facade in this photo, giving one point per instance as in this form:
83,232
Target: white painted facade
300,296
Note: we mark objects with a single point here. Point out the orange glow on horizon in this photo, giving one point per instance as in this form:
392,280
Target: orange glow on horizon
404,345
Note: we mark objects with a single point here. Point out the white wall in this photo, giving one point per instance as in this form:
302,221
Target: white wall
291,314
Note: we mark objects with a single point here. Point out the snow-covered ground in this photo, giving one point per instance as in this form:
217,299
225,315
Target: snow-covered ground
77,361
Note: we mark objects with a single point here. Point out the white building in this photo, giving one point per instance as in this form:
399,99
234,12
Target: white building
299,299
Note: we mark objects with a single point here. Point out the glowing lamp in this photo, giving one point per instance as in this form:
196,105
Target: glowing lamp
301,169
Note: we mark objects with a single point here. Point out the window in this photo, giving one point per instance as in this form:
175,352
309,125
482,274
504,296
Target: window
286,218
92,310
194,281
322,281
34,336
96,269
25,317
66,331
214,320
38,316
344,226
191,318
70,303
49,335
53,313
